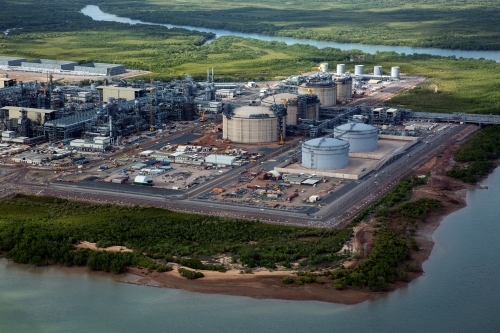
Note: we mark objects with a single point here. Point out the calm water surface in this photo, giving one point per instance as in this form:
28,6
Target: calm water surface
96,14
458,293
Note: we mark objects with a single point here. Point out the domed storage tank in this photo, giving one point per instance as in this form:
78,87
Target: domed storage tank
359,70
327,93
325,154
395,72
340,69
377,70
291,105
251,124
344,87
361,137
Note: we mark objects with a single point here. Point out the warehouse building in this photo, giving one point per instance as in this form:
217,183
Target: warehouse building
11,61
46,64
38,116
127,93
101,68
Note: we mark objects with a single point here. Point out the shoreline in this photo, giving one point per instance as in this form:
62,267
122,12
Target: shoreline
263,284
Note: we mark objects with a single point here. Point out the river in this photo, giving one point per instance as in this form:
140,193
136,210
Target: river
459,292
98,15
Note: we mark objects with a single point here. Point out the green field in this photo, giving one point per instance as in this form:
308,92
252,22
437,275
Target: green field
59,31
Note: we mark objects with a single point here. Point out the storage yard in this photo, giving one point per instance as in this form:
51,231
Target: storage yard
304,146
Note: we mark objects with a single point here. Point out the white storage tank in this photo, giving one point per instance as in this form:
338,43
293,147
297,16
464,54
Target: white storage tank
359,70
395,72
340,69
291,105
252,124
361,137
325,154
377,70
323,67
327,93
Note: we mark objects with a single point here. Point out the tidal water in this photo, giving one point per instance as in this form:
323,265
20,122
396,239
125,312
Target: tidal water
459,292
98,15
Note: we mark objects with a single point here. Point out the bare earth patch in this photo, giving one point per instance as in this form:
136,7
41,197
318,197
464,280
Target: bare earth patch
93,246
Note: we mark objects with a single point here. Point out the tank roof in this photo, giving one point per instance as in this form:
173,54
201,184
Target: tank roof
253,112
277,98
356,127
326,143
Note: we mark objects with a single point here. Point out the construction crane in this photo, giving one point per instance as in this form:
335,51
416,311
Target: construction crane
151,116
202,116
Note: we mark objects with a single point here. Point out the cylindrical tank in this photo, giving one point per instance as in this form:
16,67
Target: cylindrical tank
361,137
325,154
340,69
377,70
359,70
252,124
395,72
344,87
323,67
327,94
93,86
291,105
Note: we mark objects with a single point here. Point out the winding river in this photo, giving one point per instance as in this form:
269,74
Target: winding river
98,15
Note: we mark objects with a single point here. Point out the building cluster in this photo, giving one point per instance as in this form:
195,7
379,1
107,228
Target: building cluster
60,67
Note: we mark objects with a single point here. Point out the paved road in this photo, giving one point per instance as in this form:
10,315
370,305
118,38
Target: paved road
340,206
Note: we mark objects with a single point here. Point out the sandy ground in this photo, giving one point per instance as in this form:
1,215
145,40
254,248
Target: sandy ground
92,246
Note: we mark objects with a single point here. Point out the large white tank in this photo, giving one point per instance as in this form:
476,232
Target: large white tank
395,72
344,87
325,154
327,94
252,124
361,137
377,70
359,70
340,69
291,105
323,67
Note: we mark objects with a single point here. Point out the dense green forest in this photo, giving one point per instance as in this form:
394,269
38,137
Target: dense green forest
448,24
38,230
59,31
474,158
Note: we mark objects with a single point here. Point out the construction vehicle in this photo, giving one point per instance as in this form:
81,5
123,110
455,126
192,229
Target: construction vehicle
202,116
281,141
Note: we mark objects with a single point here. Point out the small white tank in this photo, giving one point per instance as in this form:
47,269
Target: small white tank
377,70
395,72
340,69
359,70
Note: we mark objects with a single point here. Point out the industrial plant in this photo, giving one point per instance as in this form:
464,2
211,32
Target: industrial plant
311,133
